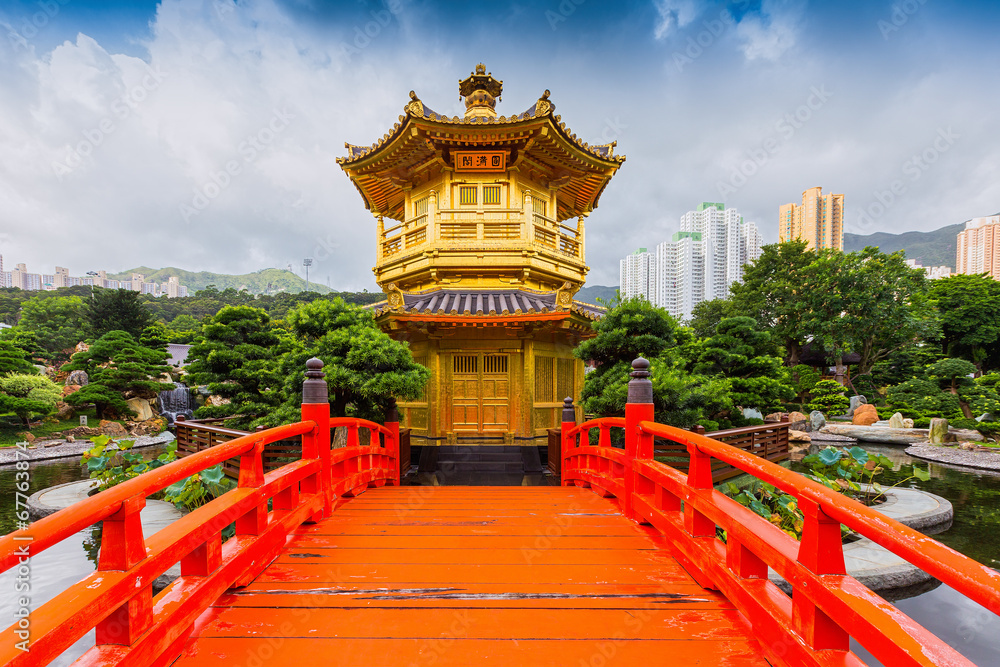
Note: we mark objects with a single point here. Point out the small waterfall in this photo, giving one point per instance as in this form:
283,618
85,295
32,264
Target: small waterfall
176,401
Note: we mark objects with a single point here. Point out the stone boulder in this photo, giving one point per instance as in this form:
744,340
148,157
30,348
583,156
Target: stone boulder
64,411
27,436
907,423
855,402
79,378
798,436
797,417
816,420
752,413
141,408
80,432
865,415
968,446
896,421
69,389
215,400
148,427
112,429
82,347
775,417
938,433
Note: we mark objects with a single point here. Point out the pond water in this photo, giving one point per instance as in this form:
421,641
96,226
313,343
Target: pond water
975,532
965,625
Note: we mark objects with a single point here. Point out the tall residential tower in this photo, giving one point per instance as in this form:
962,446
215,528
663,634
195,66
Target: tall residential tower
818,221
979,246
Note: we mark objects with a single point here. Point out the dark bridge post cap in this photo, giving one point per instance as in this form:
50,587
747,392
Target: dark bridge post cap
314,388
569,412
640,388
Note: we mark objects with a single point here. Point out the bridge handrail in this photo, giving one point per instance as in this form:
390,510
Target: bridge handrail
132,625
54,528
978,582
827,607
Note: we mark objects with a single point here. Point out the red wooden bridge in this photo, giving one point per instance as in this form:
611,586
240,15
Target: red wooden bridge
334,562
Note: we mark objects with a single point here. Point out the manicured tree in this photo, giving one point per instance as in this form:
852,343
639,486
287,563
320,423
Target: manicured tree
828,398
804,378
155,337
235,357
771,292
364,367
953,372
59,322
706,315
969,307
117,310
28,395
742,353
631,328
13,360
119,369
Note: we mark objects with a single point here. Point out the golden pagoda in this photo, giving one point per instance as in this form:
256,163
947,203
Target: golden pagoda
480,251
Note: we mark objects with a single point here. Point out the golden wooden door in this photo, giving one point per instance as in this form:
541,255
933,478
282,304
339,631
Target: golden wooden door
465,391
480,393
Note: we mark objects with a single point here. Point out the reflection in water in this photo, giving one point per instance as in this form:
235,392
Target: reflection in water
975,532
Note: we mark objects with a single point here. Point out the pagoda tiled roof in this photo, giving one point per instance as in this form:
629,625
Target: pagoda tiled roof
486,303
416,109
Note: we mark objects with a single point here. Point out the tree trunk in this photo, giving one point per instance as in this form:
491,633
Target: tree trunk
841,369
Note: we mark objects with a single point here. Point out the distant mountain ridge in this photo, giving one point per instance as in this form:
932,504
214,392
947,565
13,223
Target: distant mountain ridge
265,281
590,294
936,248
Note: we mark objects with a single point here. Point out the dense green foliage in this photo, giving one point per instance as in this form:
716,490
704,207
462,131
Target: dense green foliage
117,310
364,367
969,308
14,360
235,357
28,395
119,368
59,323
828,397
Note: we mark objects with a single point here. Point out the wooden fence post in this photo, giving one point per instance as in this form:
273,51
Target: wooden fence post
392,442
316,443
639,408
568,442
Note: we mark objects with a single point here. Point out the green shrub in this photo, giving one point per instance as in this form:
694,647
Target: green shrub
112,462
829,398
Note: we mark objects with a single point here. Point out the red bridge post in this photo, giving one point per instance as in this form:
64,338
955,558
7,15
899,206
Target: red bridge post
568,441
316,443
392,441
639,408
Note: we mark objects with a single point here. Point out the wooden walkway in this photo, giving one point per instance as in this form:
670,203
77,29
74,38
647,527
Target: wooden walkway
473,576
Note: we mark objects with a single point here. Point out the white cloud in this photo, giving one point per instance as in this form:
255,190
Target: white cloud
673,14
767,35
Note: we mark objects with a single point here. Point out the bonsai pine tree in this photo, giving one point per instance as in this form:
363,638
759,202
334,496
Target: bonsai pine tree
13,360
952,372
236,357
744,354
119,369
364,367
829,398
28,395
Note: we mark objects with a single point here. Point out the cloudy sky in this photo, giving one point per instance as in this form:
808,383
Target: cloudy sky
118,119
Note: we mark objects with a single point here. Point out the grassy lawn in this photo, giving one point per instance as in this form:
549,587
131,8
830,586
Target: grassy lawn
10,426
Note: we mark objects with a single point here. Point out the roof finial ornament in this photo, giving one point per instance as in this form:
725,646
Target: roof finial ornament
481,92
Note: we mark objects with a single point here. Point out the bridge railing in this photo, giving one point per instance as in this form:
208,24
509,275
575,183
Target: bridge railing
827,606
132,625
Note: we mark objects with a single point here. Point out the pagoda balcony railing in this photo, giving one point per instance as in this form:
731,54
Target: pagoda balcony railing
489,229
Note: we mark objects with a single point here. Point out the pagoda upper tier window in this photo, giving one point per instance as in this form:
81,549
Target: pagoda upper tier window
467,195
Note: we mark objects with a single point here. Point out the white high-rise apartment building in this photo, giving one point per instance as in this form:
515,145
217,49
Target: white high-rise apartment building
698,264
637,275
